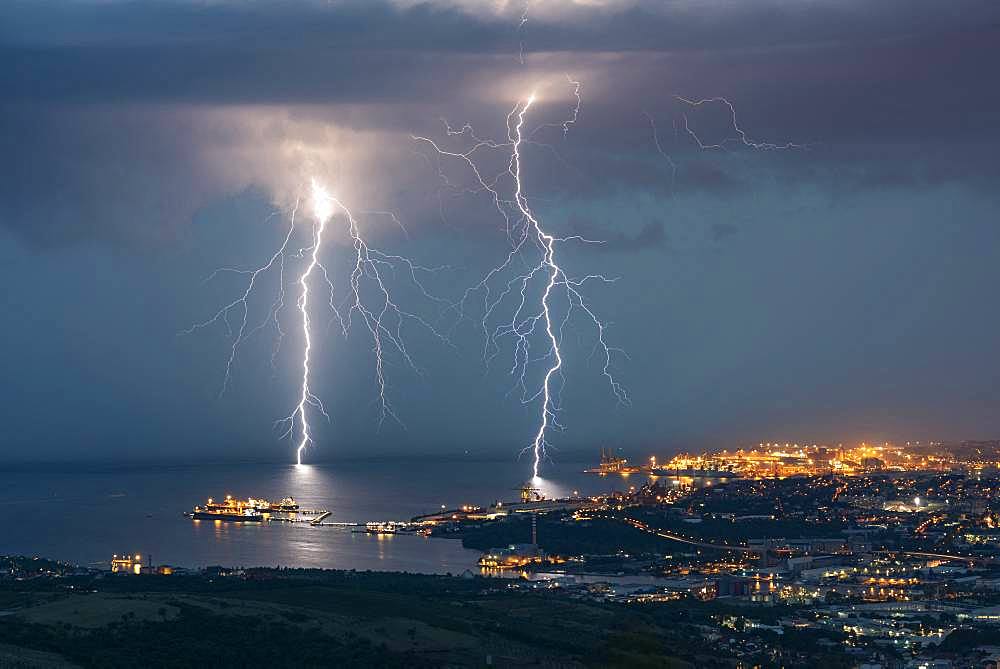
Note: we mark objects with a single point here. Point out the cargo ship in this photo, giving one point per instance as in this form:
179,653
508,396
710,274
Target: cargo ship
232,510
244,516
229,509
612,464
286,505
255,510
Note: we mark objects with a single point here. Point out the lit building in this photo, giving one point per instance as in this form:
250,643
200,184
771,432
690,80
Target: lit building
515,556
774,460
126,564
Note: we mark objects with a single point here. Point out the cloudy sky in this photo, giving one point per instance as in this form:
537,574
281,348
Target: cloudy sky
840,289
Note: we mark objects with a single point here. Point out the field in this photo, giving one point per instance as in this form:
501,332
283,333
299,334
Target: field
340,619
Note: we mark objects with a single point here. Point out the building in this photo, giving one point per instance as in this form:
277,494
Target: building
126,564
512,557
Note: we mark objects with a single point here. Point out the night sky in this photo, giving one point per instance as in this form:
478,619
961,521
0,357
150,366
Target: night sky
840,291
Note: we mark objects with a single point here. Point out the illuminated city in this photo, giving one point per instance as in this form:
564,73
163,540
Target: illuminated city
781,460
888,551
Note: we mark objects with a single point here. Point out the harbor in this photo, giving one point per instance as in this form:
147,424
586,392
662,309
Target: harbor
156,504
531,502
681,469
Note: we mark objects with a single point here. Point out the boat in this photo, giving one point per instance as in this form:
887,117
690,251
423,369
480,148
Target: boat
228,504
244,516
288,505
612,464
232,510
385,527
253,509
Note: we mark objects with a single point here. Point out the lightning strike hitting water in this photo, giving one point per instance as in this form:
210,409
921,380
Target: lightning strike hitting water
322,210
527,235
382,318
384,322
548,261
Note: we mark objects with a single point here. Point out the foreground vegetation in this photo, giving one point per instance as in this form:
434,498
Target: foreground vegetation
295,618
311,618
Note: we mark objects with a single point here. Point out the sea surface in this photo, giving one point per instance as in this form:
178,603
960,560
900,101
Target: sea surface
85,513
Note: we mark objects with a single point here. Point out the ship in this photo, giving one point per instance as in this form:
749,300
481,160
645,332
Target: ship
255,509
244,516
286,505
212,505
612,464
385,527
232,510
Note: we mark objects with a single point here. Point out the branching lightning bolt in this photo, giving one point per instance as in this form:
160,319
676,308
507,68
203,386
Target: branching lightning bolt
661,151
741,135
383,319
502,284
278,257
740,138
547,241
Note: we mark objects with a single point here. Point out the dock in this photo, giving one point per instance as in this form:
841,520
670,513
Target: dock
319,519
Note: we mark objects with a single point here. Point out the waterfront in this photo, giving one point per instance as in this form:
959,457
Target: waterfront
892,567
83,514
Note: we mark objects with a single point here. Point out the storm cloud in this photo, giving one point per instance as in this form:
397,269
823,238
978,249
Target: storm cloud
177,90
145,143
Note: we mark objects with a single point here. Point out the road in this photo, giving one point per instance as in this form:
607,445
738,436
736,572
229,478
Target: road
691,542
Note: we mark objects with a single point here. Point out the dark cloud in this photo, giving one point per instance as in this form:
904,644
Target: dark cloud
110,125
114,176
376,50
176,127
476,26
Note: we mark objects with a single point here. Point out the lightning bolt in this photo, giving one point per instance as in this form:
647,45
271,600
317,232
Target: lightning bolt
661,151
576,110
548,262
741,135
322,211
383,319
240,303
502,284
520,31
